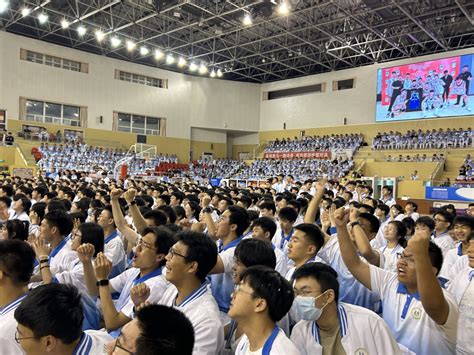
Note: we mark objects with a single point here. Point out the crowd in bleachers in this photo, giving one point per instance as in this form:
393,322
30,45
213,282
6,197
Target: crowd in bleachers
181,268
223,168
429,139
316,143
466,170
415,158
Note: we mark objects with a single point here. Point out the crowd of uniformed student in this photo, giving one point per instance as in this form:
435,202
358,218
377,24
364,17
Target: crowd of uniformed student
317,267
315,143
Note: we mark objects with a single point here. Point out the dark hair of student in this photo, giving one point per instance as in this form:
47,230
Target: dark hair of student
324,274
401,232
238,216
93,234
17,260
17,229
159,218
313,234
254,251
288,213
61,220
164,240
267,224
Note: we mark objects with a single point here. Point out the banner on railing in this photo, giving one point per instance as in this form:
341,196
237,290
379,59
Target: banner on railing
298,155
449,193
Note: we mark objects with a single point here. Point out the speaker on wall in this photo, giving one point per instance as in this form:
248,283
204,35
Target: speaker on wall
141,138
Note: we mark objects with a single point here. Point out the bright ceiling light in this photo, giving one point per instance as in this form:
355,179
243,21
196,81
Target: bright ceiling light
202,69
283,9
81,30
169,59
213,73
219,73
130,45
247,20
181,62
99,35
115,41
3,5
42,18
25,12
193,66
159,54
144,50
64,23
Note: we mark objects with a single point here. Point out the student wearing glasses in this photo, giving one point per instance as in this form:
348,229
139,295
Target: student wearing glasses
148,265
16,266
146,335
415,307
443,221
188,263
259,301
50,321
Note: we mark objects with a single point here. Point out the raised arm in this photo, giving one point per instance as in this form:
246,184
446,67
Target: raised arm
430,291
128,233
356,266
138,220
313,205
85,253
361,239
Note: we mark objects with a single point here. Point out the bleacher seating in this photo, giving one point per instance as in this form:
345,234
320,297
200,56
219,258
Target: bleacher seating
316,143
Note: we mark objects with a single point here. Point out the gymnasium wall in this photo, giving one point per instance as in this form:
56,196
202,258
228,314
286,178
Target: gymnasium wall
328,109
188,101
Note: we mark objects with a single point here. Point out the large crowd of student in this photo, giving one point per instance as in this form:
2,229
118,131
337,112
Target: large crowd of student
466,170
430,139
288,267
316,143
223,168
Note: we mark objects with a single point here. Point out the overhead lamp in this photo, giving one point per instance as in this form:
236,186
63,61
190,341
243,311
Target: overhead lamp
25,12
3,5
193,66
144,50
159,54
99,35
81,30
130,45
283,9
181,62
247,20
115,41
202,69
42,18
213,73
64,24
219,73
170,59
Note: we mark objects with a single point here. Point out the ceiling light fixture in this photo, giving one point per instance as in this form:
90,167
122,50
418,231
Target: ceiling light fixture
42,18
144,50
159,54
3,5
193,66
115,42
99,35
283,9
64,24
181,62
25,12
81,30
130,45
247,20
202,69
219,73
170,59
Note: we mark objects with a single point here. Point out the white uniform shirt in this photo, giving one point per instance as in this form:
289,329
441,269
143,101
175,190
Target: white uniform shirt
362,332
23,216
408,321
277,344
115,252
92,342
445,242
202,310
8,325
462,287
281,261
389,258
451,258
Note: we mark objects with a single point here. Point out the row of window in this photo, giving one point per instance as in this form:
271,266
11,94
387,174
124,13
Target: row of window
68,115
142,79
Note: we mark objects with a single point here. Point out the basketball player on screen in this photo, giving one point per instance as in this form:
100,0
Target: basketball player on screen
431,103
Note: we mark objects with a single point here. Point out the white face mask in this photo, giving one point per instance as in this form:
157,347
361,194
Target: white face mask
305,308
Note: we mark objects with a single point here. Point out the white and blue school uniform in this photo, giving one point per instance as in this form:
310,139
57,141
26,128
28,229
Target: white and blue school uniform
389,257
462,288
444,241
407,319
115,252
23,216
389,202
92,342
280,240
451,258
222,284
362,332
8,325
350,290
281,261
201,309
124,283
277,344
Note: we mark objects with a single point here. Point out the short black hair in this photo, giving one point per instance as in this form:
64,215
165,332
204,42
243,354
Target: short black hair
6,200
169,212
164,240
436,256
254,251
165,198
268,284
8,190
389,188
179,211
56,204
159,218
464,221
175,336
324,274
288,213
267,224
52,309
313,234
401,231
26,204
369,208
239,216
17,229
384,208
374,221
201,249
413,204
426,221
268,205
17,260
449,217
93,234
61,220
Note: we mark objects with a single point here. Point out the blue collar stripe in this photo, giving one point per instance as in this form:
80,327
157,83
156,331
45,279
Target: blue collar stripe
84,346
402,289
56,250
471,275
267,347
342,320
460,249
11,305
285,239
315,332
110,237
233,243
195,294
154,273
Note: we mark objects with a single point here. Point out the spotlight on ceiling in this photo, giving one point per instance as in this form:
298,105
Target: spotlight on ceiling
99,35
3,5
213,73
81,30
193,66
159,54
42,18
64,24
170,59
144,50
283,9
247,21
130,45
181,62
25,12
219,73
115,42
202,69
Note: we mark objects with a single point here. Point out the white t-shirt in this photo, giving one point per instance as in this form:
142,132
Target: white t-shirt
8,325
277,344
115,252
451,258
407,319
92,342
388,257
445,242
202,310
